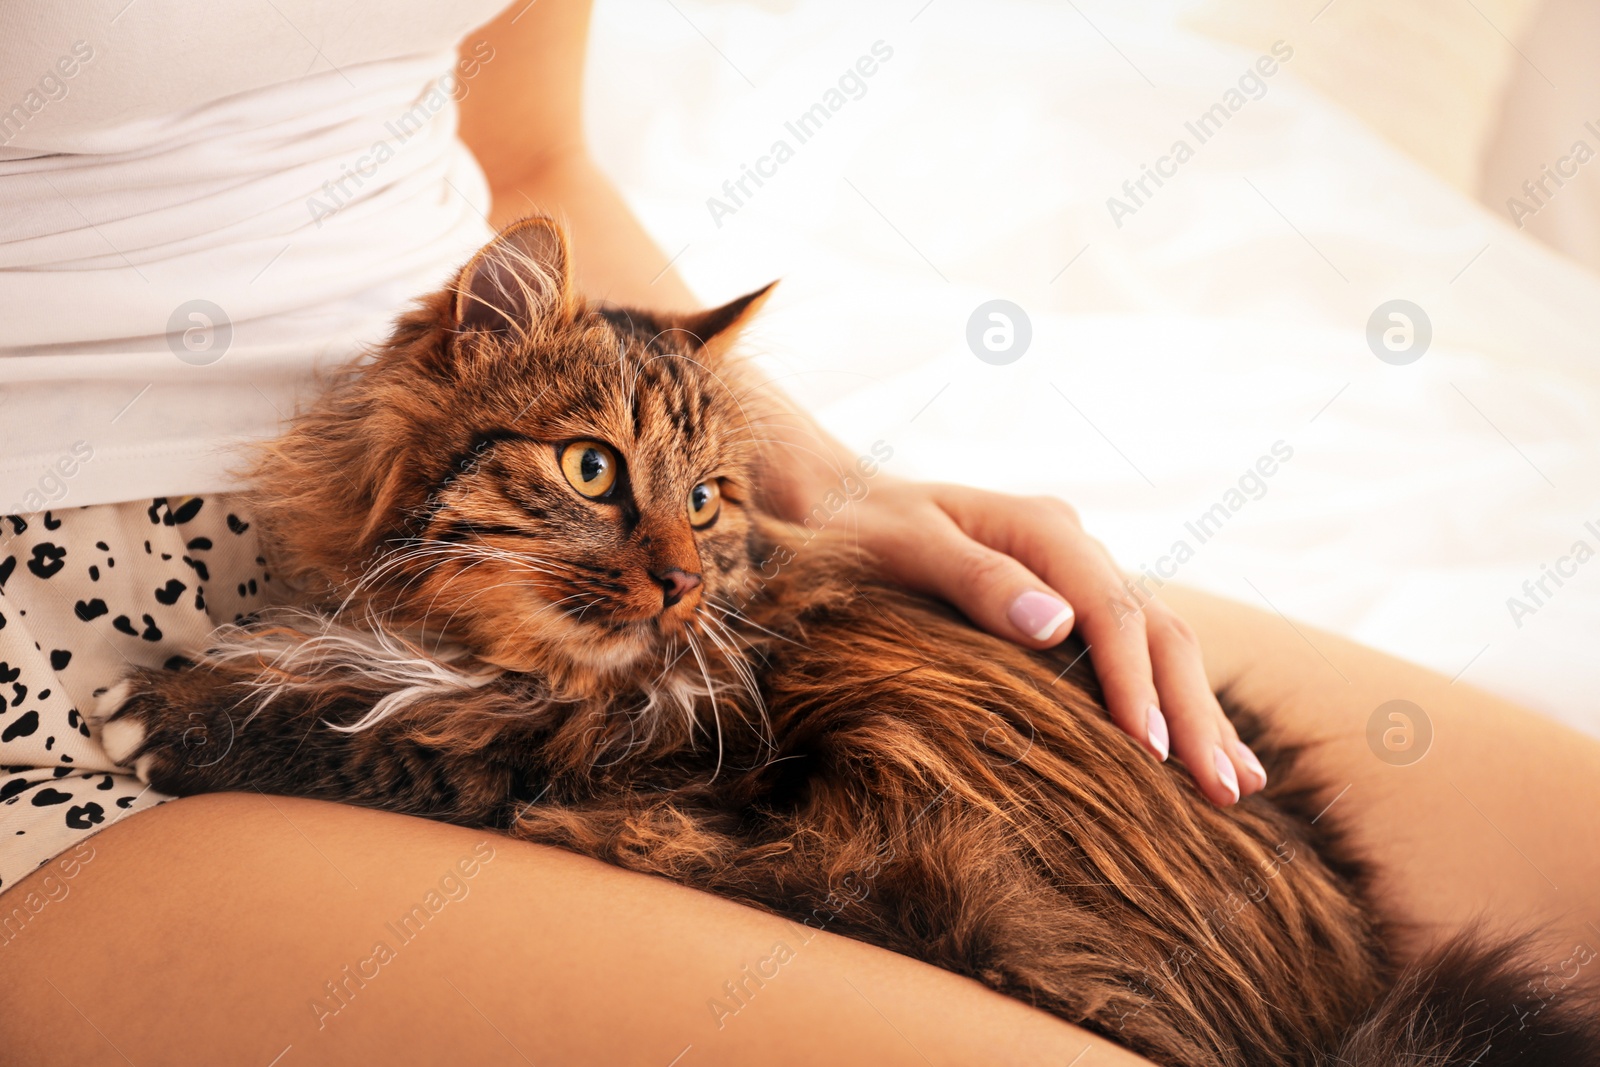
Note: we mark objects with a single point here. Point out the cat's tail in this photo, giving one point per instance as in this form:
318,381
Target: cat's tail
1473,1003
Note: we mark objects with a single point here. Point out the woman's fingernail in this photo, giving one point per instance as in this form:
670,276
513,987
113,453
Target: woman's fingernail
1252,764
1157,731
1225,771
1038,614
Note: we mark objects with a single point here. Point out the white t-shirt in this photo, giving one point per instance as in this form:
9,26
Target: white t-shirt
201,205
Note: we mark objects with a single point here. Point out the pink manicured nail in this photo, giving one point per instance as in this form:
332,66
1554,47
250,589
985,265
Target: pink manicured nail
1157,731
1225,771
1248,758
1038,614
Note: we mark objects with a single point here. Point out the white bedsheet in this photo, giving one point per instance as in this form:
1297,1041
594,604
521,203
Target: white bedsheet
1228,313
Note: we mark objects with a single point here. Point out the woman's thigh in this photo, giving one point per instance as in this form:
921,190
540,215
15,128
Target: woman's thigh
270,931
1468,807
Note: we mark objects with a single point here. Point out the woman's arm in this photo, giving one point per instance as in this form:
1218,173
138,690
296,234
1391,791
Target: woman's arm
1021,568
522,117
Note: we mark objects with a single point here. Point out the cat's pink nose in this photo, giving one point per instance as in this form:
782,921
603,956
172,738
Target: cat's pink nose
676,583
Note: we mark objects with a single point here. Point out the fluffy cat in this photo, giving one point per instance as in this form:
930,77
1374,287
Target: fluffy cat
539,595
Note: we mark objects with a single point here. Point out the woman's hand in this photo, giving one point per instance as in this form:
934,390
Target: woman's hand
1023,569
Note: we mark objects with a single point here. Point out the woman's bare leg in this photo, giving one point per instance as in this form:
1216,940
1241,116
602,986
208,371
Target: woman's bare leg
1498,821
216,930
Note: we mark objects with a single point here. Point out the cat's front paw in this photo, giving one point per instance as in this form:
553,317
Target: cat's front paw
121,725
160,736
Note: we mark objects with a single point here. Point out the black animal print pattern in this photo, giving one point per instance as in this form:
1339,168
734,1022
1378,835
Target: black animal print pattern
85,594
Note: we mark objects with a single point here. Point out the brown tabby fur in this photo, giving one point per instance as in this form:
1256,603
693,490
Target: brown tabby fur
796,734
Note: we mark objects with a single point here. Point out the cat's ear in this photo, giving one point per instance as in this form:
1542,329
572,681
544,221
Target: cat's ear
716,329
521,276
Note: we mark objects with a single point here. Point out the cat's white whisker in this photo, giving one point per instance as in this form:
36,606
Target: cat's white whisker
464,604
552,606
729,611
478,555
711,694
741,667
440,553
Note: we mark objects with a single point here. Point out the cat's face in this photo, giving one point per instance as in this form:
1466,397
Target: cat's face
571,488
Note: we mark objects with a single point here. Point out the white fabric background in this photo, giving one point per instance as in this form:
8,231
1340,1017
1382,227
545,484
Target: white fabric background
1227,314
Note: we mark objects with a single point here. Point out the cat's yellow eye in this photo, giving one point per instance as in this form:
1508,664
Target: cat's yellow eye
705,500
590,467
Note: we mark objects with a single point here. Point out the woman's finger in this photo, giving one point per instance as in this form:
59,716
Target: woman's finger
1202,736
1044,537
1000,595
1121,657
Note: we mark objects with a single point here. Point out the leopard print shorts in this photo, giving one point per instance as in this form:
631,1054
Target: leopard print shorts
85,594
